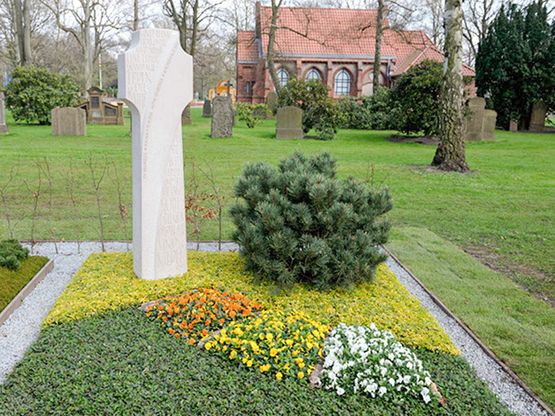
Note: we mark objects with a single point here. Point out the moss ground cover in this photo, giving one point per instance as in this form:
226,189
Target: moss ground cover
11,282
107,282
121,363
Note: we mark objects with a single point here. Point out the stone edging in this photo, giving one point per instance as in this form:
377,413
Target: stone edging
20,297
478,341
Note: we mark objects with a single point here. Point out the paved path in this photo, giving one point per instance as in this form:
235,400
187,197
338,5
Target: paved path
23,326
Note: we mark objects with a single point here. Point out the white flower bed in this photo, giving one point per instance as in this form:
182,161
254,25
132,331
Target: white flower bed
362,359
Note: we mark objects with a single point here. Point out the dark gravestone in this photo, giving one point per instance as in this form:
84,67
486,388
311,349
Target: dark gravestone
222,117
3,125
289,123
69,121
186,116
537,119
207,108
272,102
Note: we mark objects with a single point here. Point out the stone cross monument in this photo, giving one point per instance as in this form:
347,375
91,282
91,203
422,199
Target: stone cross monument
155,78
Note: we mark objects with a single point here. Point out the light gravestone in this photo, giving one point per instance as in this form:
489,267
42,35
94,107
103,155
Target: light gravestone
3,125
537,118
155,78
207,108
289,123
222,117
479,123
69,121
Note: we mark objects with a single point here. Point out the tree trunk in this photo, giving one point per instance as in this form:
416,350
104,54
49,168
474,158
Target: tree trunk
18,23
194,33
135,15
378,47
450,155
271,44
27,54
87,51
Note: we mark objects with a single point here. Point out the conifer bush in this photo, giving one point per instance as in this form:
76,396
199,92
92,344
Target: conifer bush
300,223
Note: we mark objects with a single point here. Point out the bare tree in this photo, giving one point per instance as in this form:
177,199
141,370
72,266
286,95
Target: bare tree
378,46
276,4
90,22
433,10
22,14
192,18
477,17
450,154
97,176
135,15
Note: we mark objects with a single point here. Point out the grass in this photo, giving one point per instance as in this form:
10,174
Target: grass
503,211
519,328
107,282
11,282
122,363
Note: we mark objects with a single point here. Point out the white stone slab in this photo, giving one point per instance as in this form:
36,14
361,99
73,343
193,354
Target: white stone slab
155,78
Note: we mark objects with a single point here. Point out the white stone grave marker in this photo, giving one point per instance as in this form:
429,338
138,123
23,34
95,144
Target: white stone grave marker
155,78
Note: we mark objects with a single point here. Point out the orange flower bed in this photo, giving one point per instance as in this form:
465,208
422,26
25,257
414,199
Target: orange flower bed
198,312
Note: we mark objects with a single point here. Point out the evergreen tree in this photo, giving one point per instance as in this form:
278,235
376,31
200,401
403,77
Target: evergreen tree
515,65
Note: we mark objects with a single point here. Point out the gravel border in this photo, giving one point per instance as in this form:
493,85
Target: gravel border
23,326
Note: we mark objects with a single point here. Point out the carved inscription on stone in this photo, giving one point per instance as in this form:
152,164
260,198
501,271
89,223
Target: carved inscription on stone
155,79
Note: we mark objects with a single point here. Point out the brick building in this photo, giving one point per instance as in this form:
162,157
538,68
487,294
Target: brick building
335,46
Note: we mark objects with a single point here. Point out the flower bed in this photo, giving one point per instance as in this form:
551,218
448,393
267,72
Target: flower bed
274,342
198,312
373,362
107,282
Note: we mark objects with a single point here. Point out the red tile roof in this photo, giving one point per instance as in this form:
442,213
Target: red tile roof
247,48
338,33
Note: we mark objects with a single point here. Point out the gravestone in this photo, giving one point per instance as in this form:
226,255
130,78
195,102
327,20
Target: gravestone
3,125
513,125
69,121
186,116
537,118
488,126
474,118
479,123
272,102
289,123
207,108
222,117
155,78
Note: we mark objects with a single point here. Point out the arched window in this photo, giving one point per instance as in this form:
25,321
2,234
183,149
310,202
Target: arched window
342,84
313,75
283,77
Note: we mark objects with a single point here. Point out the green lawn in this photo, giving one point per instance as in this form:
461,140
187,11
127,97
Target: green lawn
504,210
11,282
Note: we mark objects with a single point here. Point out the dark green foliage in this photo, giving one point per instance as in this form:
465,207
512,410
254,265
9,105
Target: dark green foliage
252,114
301,224
34,92
320,111
123,364
415,99
11,253
515,65
367,113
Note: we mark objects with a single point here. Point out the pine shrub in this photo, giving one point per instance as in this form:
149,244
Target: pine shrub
300,223
11,253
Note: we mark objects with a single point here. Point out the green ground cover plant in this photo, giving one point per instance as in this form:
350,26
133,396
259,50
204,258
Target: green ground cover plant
107,282
12,281
126,365
519,328
11,254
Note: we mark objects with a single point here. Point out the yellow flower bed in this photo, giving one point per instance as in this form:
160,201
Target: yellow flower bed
275,343
106,282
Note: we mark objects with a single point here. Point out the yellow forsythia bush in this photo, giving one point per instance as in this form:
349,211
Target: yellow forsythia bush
106,282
